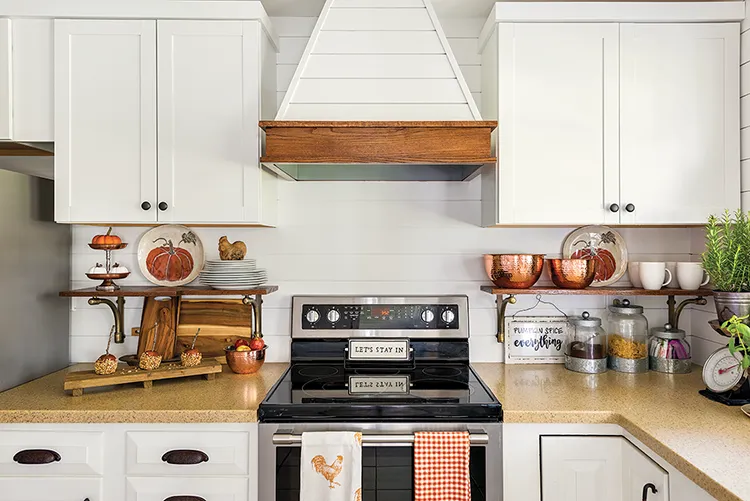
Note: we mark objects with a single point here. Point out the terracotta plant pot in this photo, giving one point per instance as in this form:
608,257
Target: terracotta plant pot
514,271
572,273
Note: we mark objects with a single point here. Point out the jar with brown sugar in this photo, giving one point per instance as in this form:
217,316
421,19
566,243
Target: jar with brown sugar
627,337
586,345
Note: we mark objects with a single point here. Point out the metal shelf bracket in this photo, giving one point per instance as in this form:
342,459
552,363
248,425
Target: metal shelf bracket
502,304
257,313
674,313
118,311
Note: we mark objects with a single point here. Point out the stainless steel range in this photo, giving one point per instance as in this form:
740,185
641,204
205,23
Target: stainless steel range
389,367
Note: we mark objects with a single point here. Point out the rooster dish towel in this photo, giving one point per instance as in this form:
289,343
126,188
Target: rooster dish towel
331,466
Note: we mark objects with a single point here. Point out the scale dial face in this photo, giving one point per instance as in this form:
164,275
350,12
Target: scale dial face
722,371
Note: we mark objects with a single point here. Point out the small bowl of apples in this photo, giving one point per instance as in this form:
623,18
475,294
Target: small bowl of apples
246,357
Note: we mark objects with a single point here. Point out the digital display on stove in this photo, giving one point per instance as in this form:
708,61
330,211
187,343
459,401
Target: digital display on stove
380,316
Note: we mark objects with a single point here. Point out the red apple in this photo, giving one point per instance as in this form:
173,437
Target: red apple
241,342
257,344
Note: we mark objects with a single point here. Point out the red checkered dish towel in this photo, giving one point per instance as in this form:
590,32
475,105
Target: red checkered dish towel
441,466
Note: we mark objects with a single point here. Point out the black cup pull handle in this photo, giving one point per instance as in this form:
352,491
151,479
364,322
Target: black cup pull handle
185,498
185,456
36,456
646,488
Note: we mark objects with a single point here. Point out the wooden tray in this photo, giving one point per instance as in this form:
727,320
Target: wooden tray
79,381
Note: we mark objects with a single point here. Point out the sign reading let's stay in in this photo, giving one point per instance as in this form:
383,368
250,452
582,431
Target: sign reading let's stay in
535,340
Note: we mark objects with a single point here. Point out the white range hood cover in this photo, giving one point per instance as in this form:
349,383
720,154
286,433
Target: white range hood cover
378,60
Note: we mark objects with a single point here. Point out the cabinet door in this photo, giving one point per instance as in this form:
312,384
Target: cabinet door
105,121
209,107
5,79
581,468
680,154
33,80
638,471
558,114
51,489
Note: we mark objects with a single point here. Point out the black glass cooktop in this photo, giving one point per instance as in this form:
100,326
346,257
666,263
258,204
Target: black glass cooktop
323,392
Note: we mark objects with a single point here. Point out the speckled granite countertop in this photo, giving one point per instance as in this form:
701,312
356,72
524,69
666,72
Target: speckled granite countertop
230,398
702,439
705,440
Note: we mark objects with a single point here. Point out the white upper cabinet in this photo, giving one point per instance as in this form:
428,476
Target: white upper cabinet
26,80
558,115
209,108
105,121
6,99
680,122
157,121
611,123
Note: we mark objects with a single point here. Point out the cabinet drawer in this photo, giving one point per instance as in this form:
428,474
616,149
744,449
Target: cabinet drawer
209,489
80,453
223,453
51,489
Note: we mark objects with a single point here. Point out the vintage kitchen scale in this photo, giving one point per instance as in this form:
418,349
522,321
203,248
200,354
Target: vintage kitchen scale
725,380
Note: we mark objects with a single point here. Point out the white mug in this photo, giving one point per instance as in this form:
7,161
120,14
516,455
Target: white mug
672,267
634,270
652,275
691,276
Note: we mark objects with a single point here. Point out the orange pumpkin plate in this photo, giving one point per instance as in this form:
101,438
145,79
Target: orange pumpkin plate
170,255
604,246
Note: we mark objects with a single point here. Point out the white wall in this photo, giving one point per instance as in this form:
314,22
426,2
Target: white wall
745,110
372,238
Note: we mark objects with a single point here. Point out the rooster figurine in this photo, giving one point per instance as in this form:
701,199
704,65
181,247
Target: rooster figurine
231,252
329,472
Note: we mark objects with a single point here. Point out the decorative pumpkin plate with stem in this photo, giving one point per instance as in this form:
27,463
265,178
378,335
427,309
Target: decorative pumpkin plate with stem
170,255
604,246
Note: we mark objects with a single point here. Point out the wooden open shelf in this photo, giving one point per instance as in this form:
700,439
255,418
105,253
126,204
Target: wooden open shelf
147,291
595,291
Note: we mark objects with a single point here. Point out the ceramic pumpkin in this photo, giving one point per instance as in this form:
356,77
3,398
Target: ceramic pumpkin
606,263
106,239
169,262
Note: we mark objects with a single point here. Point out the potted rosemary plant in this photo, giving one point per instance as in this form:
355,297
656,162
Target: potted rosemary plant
727,261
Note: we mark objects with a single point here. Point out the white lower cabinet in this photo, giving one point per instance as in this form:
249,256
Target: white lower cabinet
193,489
70,453
51,489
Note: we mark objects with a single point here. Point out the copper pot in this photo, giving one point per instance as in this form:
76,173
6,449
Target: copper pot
245,362
514,271
572,273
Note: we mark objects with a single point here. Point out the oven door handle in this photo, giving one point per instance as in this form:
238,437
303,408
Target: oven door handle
289,439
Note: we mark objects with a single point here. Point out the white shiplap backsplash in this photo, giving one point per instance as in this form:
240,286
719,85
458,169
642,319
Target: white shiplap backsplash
371,238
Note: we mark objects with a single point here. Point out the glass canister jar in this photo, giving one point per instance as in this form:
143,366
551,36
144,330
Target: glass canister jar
586,345
627,337
668,351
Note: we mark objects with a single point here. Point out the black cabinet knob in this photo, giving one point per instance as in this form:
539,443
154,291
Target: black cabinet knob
646,488
630,208
163,206
146,206
614,208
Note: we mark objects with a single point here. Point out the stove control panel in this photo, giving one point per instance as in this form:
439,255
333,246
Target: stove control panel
380,316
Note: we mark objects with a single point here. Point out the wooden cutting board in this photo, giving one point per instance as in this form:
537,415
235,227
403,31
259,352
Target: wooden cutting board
221,321
165,312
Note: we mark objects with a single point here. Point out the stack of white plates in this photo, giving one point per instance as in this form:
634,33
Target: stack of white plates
233,275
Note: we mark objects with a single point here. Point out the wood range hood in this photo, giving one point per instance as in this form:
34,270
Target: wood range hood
378,96
378,150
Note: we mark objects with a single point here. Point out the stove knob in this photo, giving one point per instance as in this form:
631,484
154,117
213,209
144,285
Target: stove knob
333,316
428,316
312,316
448,316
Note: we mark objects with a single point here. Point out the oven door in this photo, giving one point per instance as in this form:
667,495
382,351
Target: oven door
387,459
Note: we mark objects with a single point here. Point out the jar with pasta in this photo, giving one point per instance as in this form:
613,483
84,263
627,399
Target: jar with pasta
627,337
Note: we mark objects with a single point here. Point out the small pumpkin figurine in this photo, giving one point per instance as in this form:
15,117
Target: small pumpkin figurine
106,239
169,262
97,270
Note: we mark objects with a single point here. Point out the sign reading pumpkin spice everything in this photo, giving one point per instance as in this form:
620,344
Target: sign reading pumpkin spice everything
535,340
